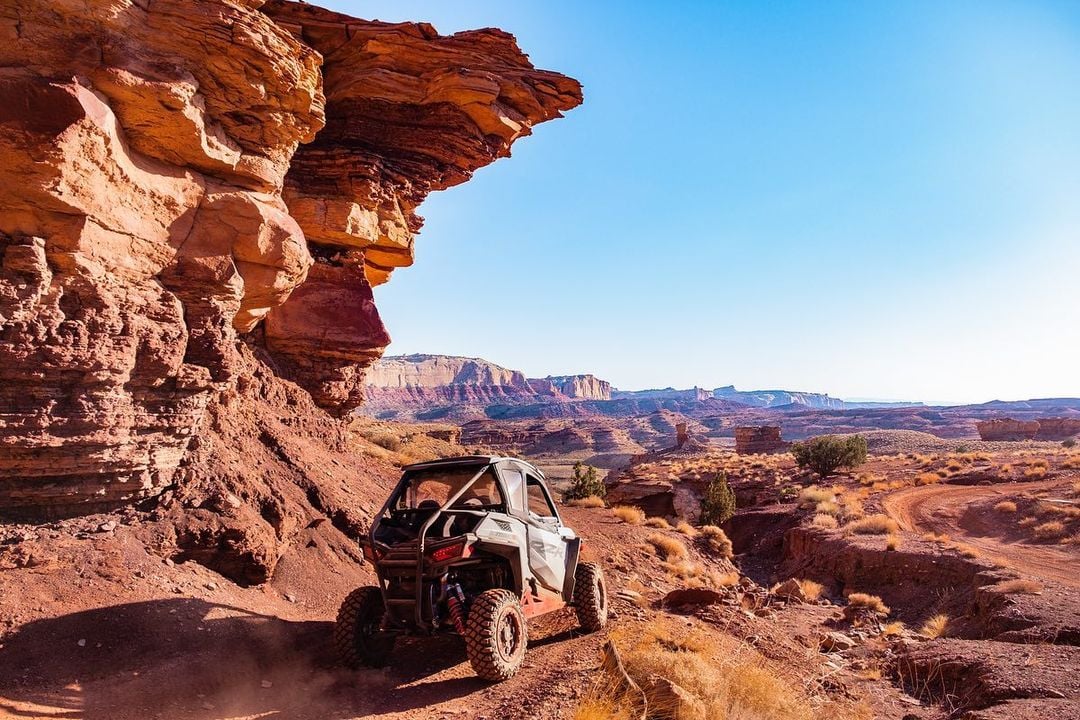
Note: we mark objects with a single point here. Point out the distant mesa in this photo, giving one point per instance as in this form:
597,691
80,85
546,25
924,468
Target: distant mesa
759,440
1042,429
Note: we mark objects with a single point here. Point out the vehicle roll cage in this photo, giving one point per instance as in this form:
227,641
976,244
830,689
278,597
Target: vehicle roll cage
421,539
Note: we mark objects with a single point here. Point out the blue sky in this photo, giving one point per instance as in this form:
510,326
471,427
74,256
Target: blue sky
866,199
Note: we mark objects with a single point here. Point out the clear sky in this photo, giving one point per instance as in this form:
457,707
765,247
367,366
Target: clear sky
867,199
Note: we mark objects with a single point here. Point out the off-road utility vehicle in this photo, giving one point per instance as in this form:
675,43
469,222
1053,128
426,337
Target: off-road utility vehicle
472,546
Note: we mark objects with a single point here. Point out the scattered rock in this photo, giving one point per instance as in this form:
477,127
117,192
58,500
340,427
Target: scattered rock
835,642
692,596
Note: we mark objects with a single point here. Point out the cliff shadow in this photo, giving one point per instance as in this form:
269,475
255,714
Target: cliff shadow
195,659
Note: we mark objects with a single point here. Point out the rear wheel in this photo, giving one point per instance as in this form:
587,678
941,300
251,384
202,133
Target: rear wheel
590,596
357,635
496,635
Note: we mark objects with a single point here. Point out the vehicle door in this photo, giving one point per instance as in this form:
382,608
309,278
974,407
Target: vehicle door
547,547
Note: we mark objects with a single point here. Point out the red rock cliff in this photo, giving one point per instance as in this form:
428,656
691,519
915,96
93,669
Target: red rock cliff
179,176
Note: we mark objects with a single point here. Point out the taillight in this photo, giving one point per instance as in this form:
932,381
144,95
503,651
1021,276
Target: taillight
371,554
449,552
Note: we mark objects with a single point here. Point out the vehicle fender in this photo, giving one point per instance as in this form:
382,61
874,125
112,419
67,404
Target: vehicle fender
506,536
573,551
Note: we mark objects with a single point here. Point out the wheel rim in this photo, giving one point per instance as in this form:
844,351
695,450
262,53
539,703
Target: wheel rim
508,635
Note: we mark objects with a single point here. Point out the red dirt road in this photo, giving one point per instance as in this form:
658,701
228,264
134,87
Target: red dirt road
942,509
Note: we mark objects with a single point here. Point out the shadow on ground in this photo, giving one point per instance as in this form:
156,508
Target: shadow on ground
188,658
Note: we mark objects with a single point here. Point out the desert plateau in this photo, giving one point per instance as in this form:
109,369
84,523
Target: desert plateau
267,450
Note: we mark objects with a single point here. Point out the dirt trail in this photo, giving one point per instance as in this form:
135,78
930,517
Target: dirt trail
244,653
941,509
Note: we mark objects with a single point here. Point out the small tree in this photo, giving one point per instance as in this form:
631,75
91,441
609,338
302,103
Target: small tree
585,483
828,453
718,504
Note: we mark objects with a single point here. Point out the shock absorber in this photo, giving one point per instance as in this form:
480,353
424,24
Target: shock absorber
456,604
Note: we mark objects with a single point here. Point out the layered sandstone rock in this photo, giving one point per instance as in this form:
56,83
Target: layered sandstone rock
760,439
155,210
1041,429
409,112
582,387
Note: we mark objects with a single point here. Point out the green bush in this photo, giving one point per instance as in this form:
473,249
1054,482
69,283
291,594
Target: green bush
1069,443
585,483
718,505
828,453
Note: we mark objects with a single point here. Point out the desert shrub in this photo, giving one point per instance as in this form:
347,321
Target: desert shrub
892,542
1068,443
829,453
1006,506
872,525
1035,473
1049,530
823,521
870,602
962,449
716,540
935,627
667,547
584,483
592,501
630,514
828,507
1028,587
658,522
718,505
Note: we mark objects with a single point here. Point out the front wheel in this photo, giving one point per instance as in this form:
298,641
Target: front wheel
358,638
590,597
496,635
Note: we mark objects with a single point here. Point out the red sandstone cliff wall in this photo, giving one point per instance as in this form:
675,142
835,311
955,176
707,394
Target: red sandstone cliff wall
181,176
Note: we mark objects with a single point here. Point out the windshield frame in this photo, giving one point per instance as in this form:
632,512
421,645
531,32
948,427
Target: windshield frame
404,498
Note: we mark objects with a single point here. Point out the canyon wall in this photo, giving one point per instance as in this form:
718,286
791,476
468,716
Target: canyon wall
181,178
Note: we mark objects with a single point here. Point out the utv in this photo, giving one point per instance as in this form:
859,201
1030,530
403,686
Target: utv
472,546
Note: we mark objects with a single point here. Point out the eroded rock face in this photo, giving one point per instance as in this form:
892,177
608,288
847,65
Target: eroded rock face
154,211
759,439
1041,429
409,112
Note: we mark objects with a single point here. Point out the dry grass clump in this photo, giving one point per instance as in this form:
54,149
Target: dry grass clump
1040,463
893,629
828,507
658,522
591,501
967,551
872,525
935,627
630,514
810,589
814,495
892,542
868,601
1049,530
716,540
726,677
667,547
823,521
602,705
1006,506
1035,472
927,478
686,529
1025,587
